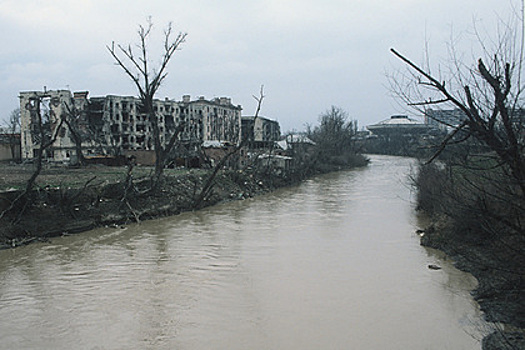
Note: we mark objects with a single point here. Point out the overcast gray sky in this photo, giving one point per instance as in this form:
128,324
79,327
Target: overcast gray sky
308,54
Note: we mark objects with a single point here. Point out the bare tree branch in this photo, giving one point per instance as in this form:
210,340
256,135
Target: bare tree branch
148,81
208,185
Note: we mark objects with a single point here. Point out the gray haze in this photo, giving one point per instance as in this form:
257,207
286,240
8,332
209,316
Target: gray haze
308,54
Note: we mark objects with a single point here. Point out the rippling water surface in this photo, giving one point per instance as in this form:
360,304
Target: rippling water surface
332,263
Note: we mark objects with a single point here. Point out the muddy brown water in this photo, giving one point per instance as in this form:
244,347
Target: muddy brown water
332,263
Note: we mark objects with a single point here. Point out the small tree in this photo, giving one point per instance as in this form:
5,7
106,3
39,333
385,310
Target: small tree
148,80
334,136
336,133
12,130
73,118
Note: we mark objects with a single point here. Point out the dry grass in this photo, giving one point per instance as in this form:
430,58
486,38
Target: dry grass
15,176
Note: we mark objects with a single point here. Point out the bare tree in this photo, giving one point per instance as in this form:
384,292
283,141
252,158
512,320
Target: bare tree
335,134
210,181
72,118
12,131
481,191
45,128
491,183
148,80
488,93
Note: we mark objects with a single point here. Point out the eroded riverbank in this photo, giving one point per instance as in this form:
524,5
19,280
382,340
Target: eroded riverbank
501,284
60,211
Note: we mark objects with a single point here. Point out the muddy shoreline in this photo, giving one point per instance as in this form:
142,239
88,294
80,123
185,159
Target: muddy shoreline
57,211
500,284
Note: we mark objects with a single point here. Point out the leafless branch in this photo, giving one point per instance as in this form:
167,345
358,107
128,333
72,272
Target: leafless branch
210,180
148,80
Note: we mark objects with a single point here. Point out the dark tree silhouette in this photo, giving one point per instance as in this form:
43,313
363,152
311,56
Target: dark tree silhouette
148,80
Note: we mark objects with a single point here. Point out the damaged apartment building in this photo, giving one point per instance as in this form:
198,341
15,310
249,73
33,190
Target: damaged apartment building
118,125
262,132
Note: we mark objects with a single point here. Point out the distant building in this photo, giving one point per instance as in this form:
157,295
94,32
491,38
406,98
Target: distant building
279,163
214,152
444,119
399,135
294,143
448,119
400,125
112,125
261,131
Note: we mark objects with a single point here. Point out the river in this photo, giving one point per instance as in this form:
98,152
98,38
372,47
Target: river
333,263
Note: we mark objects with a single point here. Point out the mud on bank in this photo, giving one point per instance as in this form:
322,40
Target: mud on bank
55,211
501,284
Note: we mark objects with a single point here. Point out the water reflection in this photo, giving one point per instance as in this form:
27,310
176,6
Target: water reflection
332,263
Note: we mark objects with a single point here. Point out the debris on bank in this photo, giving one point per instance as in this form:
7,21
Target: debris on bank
60,211
501,284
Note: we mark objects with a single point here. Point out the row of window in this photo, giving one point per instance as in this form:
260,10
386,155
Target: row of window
171,109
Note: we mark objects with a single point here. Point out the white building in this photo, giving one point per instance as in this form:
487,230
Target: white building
399,125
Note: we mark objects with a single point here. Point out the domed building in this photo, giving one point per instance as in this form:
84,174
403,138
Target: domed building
400,135
400,125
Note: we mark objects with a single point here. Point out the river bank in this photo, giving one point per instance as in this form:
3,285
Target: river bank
56,211
500,283
72,200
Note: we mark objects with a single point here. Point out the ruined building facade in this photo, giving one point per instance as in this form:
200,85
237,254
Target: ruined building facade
114,125
263,132
39,115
